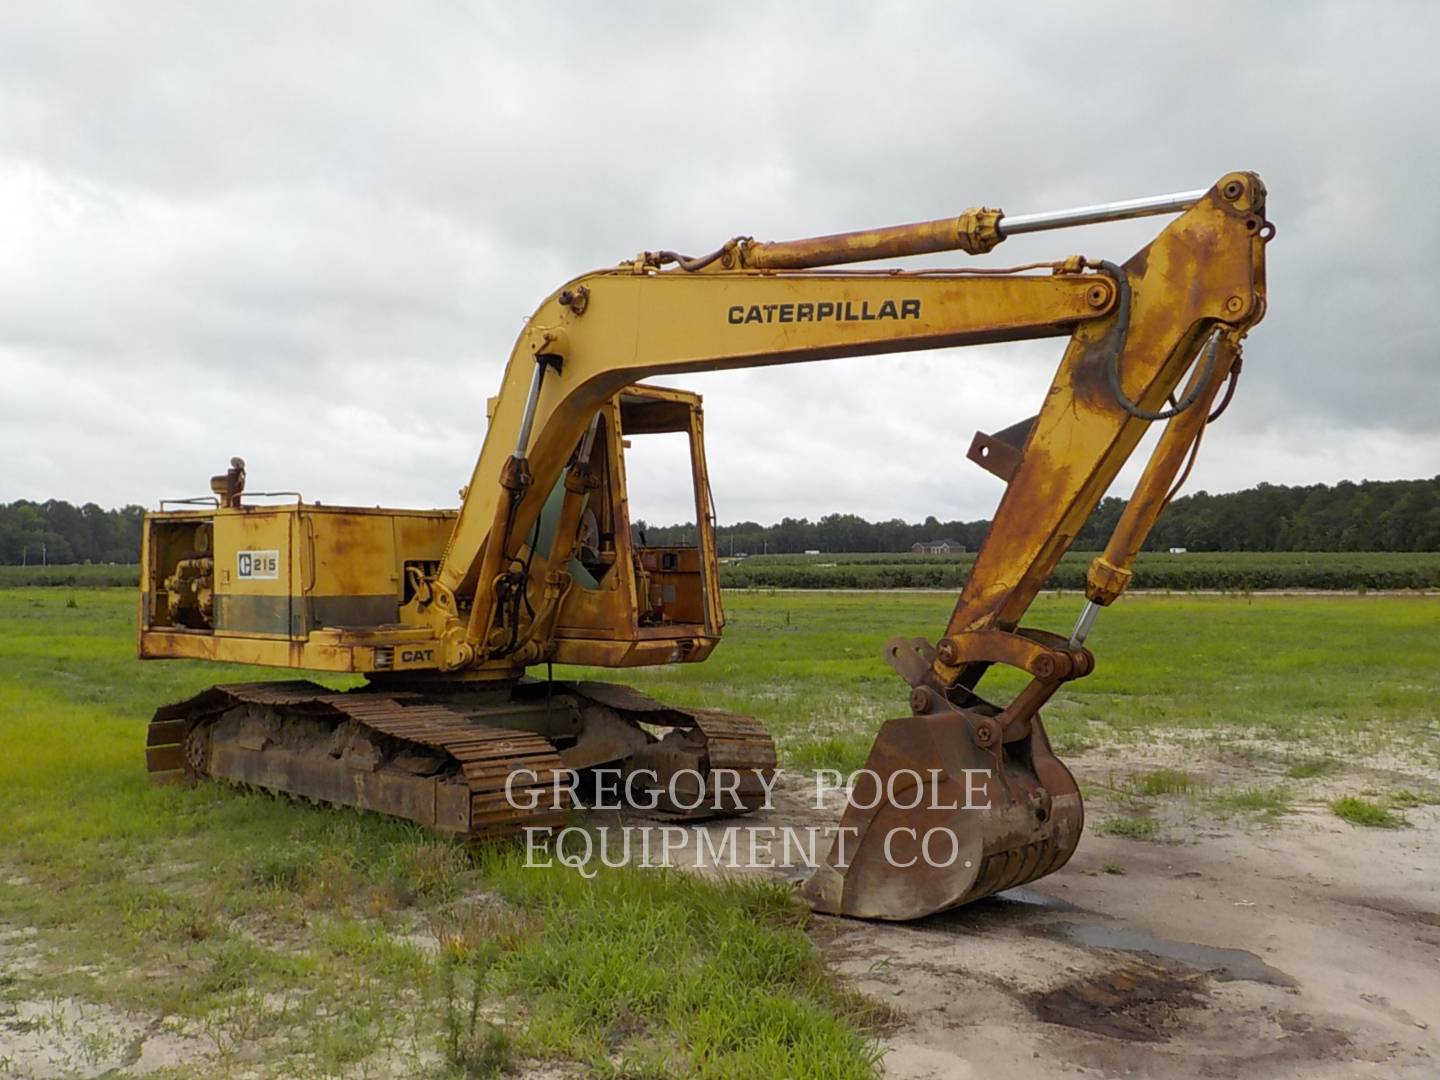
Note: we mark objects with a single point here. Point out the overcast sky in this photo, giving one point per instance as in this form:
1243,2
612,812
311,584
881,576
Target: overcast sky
308,234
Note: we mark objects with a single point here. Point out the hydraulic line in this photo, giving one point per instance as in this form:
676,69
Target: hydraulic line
1117,346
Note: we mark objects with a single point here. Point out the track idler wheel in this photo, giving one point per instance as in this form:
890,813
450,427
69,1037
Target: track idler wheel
945,812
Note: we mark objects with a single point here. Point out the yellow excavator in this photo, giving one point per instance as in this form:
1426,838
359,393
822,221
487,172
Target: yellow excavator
447,613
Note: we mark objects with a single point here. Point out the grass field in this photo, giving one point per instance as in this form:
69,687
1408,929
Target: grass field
1285,669
279,939
109,575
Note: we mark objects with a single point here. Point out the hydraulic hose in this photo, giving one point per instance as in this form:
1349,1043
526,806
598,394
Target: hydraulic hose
1116,343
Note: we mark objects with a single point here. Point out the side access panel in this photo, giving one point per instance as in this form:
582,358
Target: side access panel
255,574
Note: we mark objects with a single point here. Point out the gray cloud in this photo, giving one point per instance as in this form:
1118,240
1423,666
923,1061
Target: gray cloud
310,235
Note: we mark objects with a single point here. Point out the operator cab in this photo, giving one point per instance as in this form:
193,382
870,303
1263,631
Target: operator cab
624,585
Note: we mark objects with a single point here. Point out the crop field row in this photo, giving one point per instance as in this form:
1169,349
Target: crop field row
1233,571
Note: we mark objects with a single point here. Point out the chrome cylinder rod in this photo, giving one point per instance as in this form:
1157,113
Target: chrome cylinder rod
1084,624
1011,224
527,421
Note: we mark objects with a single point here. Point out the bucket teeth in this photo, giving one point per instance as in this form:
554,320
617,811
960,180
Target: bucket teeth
936,821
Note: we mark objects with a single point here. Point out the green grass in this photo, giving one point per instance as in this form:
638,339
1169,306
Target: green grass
1408,798
1373,815
292,940
1310,768
253,921
87,576
845,753
1312,672
1129,828
1163,782
717,977
1272,801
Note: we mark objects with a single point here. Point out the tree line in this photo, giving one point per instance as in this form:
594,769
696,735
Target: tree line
1373,515
56,532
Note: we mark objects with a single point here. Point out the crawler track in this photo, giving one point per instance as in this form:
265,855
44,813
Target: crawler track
456,770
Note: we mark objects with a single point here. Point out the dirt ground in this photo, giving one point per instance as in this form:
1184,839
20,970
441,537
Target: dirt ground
1304,953
1233,946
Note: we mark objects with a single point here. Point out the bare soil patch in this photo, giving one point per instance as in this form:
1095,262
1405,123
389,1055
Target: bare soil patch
1235,945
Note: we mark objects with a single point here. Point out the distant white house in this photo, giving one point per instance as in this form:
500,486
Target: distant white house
812,551
938,547
1177,551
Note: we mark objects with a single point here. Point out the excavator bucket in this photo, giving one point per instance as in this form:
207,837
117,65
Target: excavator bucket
945,812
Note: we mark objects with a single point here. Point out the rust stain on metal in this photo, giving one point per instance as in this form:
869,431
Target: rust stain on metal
974,232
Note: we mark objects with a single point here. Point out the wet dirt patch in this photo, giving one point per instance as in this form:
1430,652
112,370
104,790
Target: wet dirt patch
1019,905
1138,1002
1398,909
1223,963
1310,1039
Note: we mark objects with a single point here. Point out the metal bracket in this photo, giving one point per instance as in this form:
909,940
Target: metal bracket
1000,453
912,659
576,299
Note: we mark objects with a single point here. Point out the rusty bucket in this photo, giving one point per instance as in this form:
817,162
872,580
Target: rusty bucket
949,808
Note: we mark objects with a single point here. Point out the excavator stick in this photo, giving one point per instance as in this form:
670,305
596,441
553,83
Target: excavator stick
964,799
